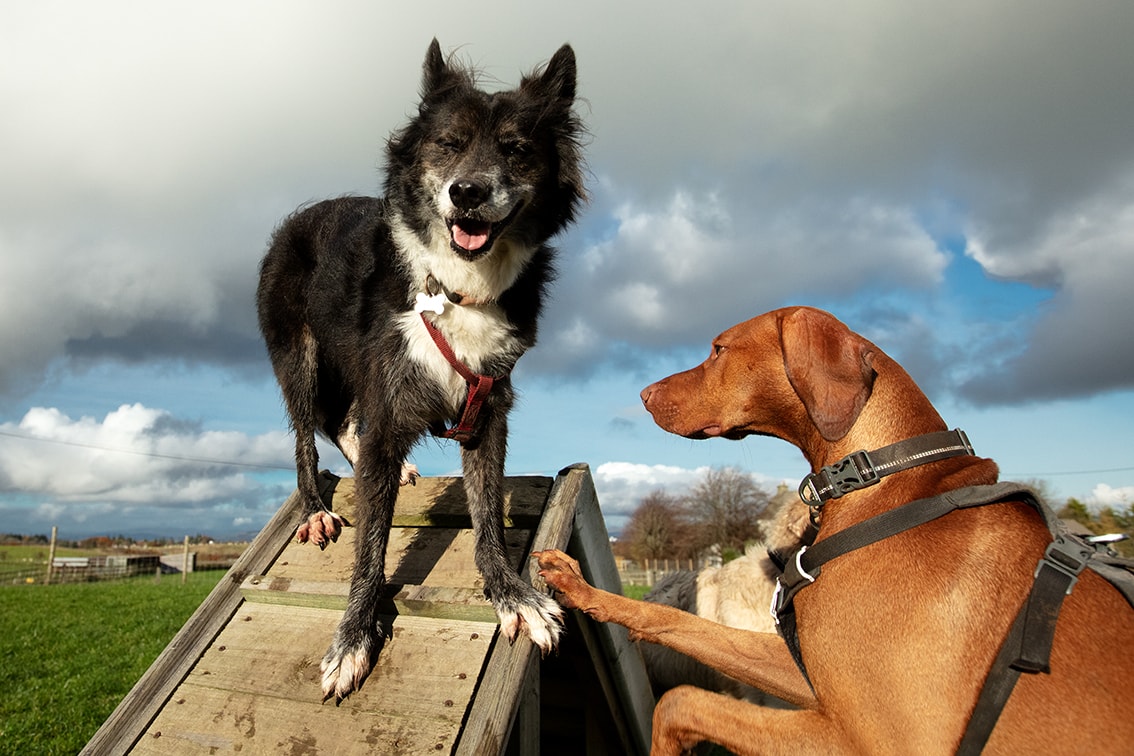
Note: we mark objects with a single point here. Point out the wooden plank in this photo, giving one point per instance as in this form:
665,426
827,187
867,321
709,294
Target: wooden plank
413,600
527,728
415,556
441,502
255,724
624,681
131,717
246,695
494,707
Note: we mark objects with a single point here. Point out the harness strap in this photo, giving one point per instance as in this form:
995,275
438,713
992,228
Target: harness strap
807,563
479,388
1028,645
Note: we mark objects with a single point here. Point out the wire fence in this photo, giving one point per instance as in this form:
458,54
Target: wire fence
651,571
96,568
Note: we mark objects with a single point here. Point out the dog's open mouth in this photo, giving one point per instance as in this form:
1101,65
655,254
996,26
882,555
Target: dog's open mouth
471,237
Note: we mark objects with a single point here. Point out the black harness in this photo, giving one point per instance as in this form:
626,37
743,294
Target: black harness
1028,645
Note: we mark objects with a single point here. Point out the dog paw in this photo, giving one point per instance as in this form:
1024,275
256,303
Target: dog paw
344,668
562,574
536,615
409,474
321,529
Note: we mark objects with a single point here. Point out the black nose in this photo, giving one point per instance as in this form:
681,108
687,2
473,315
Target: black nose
468,194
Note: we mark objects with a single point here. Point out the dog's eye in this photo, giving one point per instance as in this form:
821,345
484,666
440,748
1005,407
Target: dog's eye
717,349
450,143
515,147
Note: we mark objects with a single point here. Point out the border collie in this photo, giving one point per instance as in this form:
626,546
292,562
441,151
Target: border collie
387,318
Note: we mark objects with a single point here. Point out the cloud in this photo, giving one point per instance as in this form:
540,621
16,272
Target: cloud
139,464
1076,345
677,273
621,486
781,158
1106,496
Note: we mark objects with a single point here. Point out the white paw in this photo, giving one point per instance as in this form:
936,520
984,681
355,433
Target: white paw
543,623
344,672
409,474
321,528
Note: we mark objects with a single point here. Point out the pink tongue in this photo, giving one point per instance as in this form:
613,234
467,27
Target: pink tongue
471,236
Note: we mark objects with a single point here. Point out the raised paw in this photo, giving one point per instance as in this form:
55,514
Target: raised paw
344,668
535,614
562,574
409,475
321,528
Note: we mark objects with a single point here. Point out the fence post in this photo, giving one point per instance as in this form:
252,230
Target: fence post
51,555
185,562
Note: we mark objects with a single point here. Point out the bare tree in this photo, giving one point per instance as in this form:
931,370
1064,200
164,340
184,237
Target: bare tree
725,508
655,528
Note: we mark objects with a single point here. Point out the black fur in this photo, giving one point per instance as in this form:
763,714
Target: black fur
476,184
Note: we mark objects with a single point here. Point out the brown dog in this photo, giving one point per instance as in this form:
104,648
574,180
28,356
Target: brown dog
897,637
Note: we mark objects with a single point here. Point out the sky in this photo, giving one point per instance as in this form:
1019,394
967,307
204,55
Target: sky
954,181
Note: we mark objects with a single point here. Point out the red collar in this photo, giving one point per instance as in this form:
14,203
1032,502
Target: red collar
479,388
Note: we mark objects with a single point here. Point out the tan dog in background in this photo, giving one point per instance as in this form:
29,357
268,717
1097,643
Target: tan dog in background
737,594
897,637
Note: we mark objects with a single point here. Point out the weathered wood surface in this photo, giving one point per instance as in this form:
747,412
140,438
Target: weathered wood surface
243,674
151,692
493,711
256,698
618,661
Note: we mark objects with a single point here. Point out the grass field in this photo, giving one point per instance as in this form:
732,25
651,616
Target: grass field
71,652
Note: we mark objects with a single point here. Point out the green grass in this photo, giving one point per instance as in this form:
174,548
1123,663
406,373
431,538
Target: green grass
71,652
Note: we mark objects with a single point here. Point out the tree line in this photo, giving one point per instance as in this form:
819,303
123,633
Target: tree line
726,507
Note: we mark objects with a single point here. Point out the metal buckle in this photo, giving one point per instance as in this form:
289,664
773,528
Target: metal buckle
799,565
964,440
1066,557
774,609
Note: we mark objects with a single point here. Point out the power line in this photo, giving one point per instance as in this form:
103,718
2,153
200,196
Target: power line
253,465
154,455
1068,472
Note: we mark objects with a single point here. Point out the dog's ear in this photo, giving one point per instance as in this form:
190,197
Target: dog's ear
438,78
433,70
829,366
557,79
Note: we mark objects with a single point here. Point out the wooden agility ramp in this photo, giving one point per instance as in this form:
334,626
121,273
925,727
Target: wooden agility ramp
242,675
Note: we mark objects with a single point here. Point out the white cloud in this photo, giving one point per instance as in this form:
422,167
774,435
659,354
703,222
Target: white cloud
622,485
1107,496
680,271
135,455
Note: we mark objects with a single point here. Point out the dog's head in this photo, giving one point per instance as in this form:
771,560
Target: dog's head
474,168
786,373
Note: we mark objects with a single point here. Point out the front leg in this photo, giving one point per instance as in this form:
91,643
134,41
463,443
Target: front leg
358,637
518,605
761,660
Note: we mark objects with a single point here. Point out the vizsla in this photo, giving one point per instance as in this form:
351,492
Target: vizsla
898,637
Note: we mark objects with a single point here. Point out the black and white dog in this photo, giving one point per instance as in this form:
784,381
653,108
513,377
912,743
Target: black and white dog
389,317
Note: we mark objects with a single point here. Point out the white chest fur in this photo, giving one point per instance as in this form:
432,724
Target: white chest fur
475,333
